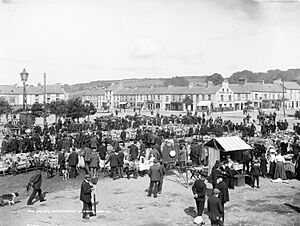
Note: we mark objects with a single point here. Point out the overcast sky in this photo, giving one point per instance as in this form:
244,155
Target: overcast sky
77,41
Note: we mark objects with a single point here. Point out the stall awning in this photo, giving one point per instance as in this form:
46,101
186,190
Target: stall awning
229,143
123,102
203,103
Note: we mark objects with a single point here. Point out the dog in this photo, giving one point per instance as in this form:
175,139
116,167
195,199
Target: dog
8,199
65,173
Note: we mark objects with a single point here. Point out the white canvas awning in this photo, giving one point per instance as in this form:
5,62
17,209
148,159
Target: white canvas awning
123,102
229,144
203,103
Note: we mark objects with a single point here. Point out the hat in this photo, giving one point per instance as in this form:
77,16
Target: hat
87,176
216,191
198,220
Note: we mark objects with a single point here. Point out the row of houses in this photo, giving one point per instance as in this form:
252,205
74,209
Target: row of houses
225,96
201,97
14,94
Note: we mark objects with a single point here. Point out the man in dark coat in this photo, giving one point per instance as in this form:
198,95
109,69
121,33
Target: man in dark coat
246,161
86,197
4,148
14,144
113,161
224,193
120,157
35,182
123,137
255,173
73,161
133,151
61,161
215,209
195,153
155,173
199,189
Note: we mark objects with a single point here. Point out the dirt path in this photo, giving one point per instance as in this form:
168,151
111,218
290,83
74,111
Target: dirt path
124,202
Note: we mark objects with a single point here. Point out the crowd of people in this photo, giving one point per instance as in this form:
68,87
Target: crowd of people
158,140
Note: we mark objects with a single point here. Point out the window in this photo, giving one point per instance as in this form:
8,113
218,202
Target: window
229,97
158,97
179,98
223,90
12,100
239,96
167,98
197,98
57,95
203,97
209,97
230,105
222,98
265,96
173,97
256,96
273,96
227,90
220,105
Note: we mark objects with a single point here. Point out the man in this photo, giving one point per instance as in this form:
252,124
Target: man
133,151
246,161
120,157
86,197
155,173
215,209
73,161
199,189
4,148
255,173
87,157
61,161
14,144
35,182
224,193
160,184
102,153
113,161
123,137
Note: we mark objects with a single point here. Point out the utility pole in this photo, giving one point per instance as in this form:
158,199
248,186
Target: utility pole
283,98
45,90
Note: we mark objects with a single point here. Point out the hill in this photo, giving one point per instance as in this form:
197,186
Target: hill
268,77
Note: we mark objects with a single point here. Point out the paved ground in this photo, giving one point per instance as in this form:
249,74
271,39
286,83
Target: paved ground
124,202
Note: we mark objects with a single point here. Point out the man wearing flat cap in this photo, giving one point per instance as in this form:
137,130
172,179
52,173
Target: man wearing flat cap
86,197
224,193
215,208
199,190
155,173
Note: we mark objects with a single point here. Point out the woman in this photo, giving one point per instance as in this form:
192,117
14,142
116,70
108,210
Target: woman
263,165
272,163
279,168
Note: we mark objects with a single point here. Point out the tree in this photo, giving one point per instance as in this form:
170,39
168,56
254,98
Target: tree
176,81
188,101
215,78
89,109
37,109
58,108
5,107
75,108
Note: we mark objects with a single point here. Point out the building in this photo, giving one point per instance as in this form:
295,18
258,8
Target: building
292,93
34,94
95,96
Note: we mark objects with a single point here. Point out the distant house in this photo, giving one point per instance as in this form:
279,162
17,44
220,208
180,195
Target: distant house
33,94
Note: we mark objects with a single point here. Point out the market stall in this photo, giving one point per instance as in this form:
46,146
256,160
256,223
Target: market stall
220,147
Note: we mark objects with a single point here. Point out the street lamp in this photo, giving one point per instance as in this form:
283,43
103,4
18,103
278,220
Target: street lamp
24,77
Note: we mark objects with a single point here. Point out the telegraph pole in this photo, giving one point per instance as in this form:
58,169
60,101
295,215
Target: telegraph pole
45,90
283,99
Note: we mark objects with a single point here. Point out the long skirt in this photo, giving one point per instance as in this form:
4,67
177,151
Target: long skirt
272,170
279,171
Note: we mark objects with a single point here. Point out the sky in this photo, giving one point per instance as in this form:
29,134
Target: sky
78,41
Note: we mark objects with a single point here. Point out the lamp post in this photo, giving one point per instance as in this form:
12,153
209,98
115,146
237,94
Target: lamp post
24,77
